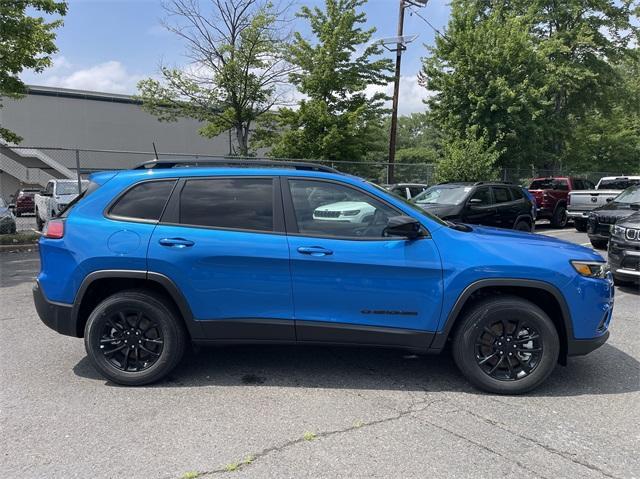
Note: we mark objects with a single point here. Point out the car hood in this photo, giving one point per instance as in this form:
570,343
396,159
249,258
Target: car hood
613,212
494,235
632,221
441,211
344,206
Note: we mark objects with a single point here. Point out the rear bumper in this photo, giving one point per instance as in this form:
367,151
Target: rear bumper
58,316
580,347
579,215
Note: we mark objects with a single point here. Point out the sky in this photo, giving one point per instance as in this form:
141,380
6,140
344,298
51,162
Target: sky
109,45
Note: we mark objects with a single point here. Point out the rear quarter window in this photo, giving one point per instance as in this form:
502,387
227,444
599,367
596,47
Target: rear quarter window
143,201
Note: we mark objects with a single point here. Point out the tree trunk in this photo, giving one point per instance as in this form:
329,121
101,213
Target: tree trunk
242,137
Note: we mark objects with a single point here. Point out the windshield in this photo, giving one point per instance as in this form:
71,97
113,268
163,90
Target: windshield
617,184
69,188
2,203
410,205
629,196
443,195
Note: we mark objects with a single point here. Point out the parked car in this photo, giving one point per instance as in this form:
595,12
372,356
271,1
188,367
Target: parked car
602,219
54,198
7,220
407,190
500,205
222,253
22,200
551,197
624,250
581,203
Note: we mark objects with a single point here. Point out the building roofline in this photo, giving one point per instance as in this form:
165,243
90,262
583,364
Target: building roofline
81,94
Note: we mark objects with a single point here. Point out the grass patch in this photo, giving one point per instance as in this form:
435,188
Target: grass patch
27,237
234,466
309,436
190,475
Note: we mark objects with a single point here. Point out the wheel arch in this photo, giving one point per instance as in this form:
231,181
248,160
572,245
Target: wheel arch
544,295
100,284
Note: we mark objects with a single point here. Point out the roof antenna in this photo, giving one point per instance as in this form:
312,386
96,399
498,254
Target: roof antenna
154,150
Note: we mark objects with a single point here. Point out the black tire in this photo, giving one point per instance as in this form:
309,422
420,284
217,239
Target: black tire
580,225
523,226
39,222
156,353
599,244
559,218
514,316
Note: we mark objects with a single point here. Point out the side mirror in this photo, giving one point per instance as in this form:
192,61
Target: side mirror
475,203
609,200
12,206
403,226
44,193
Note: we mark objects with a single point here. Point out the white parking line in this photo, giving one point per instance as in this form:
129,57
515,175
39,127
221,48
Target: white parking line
556,232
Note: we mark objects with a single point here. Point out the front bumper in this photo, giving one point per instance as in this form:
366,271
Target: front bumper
580,347
58,316
624,259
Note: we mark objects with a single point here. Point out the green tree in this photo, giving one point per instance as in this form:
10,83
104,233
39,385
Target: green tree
488,78
237,49
526,71
336,120
26,42
468,159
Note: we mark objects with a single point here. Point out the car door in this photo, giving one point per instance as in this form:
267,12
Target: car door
506,208
479,208
350,283
221,241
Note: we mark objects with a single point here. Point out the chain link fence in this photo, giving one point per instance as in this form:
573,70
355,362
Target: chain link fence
33,167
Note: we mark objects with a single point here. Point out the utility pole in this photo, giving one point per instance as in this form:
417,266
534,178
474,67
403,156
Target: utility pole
396,93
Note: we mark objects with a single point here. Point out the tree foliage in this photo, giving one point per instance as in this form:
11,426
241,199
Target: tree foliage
26,42
336,119
526,74
237,53
468,159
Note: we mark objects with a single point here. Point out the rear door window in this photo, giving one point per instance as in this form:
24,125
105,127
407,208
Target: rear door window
229,203
144,201
501,194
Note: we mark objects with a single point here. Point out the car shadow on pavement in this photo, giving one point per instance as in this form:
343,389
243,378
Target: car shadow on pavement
605,371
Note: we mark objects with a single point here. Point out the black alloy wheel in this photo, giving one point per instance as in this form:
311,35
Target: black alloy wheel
508,350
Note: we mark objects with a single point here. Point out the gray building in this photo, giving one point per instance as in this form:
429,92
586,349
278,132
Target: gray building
52,119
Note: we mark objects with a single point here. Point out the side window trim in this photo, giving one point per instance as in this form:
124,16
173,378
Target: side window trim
291,223
171,214
107,210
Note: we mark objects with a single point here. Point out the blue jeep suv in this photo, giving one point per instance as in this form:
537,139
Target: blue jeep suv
251,251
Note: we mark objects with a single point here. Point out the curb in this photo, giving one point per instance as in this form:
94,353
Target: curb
11,248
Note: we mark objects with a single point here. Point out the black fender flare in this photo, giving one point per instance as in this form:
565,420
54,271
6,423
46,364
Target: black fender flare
440,338
175,293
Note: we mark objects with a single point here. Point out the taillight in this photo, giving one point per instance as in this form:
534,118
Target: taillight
54,229
568,200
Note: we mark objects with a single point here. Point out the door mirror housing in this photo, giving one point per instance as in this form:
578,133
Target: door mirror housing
405,226
475,203
44,192
609,200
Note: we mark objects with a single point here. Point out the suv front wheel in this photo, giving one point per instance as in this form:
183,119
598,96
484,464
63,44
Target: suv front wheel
506,345
134,338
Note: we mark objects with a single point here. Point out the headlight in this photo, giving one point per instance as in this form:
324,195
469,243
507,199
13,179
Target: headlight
350,213
618,231
591,269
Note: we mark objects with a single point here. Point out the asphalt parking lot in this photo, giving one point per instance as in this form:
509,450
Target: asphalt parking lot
316,412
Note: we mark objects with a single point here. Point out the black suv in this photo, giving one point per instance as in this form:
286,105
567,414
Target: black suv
500,205
624,250
602,219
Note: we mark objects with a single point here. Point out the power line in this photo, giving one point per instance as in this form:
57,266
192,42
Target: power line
430,24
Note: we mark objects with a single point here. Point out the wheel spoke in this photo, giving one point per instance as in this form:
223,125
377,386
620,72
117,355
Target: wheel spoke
114,350
125,363
153,341
486,358
123,318
527,338
138,319
149,351
110,340
490,331
526,350
510,367
496,365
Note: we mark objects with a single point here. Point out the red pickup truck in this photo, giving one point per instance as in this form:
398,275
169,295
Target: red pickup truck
551,197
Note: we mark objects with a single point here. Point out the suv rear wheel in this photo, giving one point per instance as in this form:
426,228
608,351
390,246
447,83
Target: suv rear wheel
522,225
134,338
559,218
506,345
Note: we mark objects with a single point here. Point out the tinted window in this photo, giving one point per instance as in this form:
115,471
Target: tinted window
517,193
501,194
234,203
70,188
86,192
482,194
618,184
144,201
562,185
329,209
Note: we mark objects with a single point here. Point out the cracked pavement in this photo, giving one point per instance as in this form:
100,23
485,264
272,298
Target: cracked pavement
374,413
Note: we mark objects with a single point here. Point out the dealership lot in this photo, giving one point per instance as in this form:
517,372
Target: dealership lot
316,412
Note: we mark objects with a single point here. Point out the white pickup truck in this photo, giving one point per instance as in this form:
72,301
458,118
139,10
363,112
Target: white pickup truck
54,198
581,202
